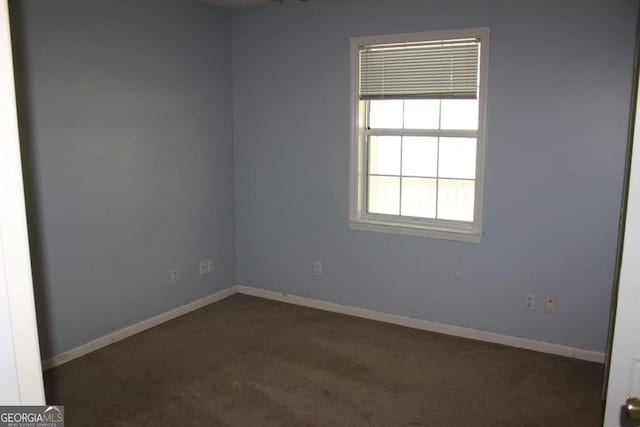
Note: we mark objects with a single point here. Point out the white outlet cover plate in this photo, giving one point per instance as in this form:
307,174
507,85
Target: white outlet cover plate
529,302
317,269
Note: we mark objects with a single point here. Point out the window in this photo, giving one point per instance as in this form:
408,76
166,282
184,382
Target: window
417,155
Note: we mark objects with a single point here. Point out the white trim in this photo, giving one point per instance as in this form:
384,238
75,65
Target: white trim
136,328
402,229
624,362
358,218
426,325
423,132
410,322
15,241
464,33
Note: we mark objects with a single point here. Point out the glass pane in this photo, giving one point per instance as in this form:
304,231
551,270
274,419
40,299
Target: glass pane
419,197
420,156
456,199
386,114
457,158
384,155
384,195
459,114
421,113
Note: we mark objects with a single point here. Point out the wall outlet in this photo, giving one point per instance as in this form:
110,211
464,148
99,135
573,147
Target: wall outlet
175,275
209,265
317,269
203,266
550,304
529,302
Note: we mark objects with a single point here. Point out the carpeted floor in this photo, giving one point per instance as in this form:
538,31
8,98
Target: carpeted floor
246,361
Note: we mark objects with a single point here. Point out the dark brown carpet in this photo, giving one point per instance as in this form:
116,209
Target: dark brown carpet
250,362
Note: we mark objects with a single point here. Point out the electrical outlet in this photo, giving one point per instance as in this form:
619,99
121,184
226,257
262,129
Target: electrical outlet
209,265
203,266
317,269
175,275
550,304
529,302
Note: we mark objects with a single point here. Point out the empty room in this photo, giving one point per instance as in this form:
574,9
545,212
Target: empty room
320,212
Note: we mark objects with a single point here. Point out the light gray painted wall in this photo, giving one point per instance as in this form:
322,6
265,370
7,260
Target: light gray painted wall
559,95
126,126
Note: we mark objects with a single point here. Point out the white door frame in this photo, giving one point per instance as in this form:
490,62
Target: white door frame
17,282
623,376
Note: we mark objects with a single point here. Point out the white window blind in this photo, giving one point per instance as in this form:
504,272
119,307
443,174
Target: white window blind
425,70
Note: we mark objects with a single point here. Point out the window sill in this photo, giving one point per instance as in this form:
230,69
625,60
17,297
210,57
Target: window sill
410,230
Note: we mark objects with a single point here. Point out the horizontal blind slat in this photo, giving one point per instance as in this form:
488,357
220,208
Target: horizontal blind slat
442,69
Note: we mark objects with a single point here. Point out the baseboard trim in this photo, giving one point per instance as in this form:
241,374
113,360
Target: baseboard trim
410,322
136,328
426,325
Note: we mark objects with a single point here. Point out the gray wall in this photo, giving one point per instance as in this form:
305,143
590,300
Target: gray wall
127,144
559,94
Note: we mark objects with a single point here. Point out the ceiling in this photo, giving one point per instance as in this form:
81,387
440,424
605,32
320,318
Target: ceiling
237,3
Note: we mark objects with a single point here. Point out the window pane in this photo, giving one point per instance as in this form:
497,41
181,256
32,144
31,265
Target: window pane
420,156
459,114
384,155
385,114
456,199
457,158
421,113
384,195
419,197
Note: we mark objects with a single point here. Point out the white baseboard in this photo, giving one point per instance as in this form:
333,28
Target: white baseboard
128,331
426,325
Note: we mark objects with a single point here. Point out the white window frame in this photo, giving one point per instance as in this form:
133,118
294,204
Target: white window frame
359,218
